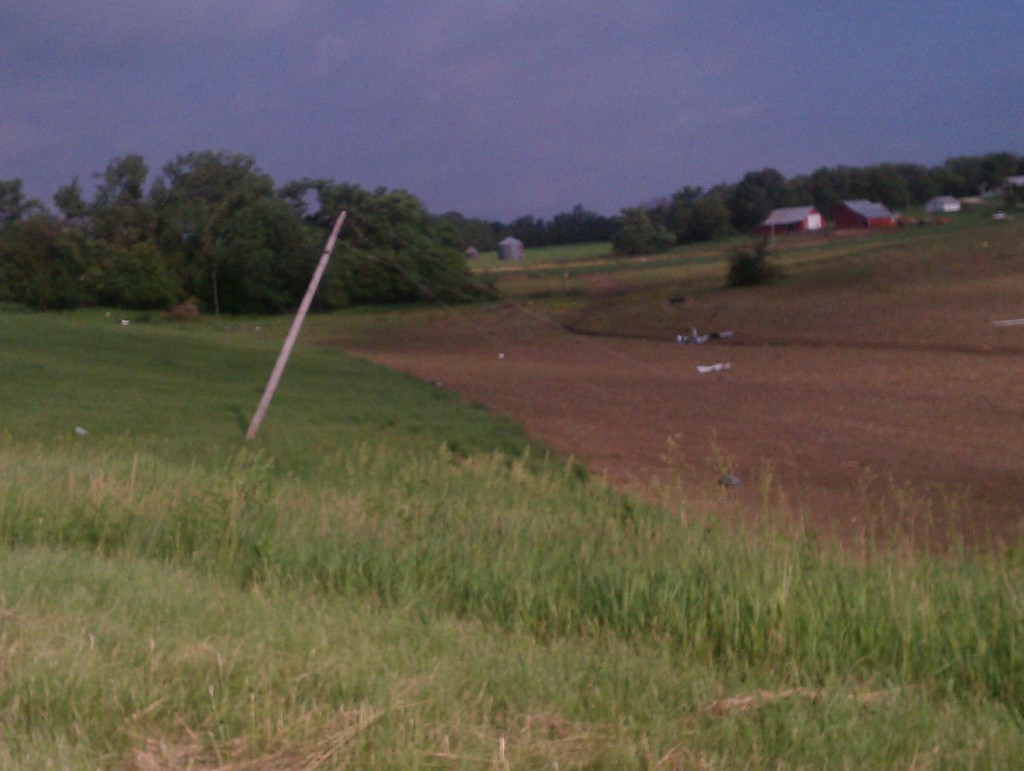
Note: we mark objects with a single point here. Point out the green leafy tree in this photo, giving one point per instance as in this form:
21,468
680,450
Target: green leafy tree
70,202
122,182
133,276
887,186
918,181
967,174
14,205
996,167
43,264
639,235
700,218
392,250
753,198
119,214
209,209
463,232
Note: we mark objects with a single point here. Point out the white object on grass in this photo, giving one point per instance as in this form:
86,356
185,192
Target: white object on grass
1009,323
703,369
81,431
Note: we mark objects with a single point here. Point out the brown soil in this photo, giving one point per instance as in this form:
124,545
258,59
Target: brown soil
894,398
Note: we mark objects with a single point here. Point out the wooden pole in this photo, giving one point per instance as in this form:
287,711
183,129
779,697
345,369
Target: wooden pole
293,333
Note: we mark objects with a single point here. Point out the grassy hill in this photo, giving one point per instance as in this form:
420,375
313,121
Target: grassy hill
391,578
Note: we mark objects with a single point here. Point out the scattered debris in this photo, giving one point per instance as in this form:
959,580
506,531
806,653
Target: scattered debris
729,480
999,215
125,322
695,338
81,431
703,369
1009,323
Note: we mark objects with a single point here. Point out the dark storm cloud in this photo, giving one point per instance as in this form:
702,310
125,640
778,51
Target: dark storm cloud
507,107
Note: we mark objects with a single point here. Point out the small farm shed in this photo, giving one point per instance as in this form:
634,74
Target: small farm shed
863,214
792,220
942,204
1015,181
471,253
510,248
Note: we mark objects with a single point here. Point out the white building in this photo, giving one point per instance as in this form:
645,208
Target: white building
791,220
942,204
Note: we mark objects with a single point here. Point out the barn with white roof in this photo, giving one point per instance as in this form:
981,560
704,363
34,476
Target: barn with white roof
795,219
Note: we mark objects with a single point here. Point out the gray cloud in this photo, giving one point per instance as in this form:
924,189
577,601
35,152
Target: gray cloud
507,107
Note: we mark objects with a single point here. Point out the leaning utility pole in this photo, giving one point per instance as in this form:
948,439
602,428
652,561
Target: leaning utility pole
293,333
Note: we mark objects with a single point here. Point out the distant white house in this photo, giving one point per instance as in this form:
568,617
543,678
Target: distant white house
1015,181
791,220
942,204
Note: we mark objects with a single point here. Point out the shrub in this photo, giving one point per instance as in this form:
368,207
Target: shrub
748,266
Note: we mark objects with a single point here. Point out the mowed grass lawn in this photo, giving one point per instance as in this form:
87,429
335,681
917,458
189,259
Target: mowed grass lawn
390,578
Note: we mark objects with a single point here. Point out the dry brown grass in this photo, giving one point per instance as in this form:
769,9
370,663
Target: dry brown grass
330,747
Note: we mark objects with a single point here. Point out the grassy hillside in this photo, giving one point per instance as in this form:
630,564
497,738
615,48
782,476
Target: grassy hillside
389,578
933,288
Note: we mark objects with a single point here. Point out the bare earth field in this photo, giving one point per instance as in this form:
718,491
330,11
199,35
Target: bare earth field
900,406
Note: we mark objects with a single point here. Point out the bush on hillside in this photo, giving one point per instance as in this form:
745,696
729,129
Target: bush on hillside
749,266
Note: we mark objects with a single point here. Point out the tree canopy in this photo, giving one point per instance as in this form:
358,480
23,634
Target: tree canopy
212,228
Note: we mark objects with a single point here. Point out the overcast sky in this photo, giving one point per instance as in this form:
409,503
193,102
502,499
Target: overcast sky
499,108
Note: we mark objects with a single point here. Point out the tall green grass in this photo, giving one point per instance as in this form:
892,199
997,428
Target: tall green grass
536,550
388,579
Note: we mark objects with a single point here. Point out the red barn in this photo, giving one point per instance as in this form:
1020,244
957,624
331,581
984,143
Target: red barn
863,214
792,220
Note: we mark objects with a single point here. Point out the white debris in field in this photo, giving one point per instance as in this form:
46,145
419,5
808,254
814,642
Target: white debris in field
703,369
1009,323
81,431
125,322
696,338
501,356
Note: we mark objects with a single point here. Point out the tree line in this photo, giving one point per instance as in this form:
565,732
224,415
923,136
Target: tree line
573,227
697,214
212,230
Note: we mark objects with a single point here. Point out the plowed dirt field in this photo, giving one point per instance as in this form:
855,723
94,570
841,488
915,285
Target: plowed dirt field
904,407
